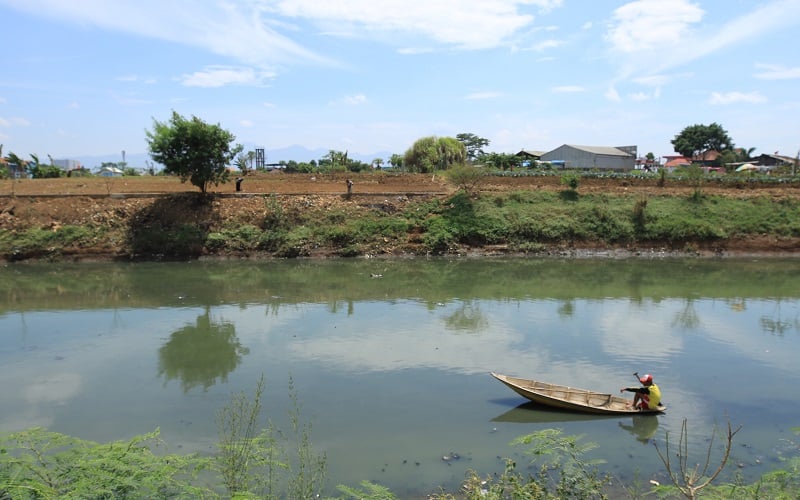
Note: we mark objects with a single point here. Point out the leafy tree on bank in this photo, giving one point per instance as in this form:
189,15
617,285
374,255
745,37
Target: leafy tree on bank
695,140
474,145
501,161
431,153
396,161
192,149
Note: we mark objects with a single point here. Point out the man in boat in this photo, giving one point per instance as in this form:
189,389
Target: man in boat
646,397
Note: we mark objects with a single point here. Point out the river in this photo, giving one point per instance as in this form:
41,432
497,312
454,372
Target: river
390,359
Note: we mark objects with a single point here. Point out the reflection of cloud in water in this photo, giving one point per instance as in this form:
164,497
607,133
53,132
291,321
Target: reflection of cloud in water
38,393
634,335
428,346
54,388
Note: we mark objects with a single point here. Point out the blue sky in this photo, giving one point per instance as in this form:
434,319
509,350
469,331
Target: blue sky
87,77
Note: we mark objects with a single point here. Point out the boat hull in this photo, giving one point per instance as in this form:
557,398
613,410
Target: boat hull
572,399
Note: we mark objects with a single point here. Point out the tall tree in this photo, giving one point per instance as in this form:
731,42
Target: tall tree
474,144
430,153
396,160
695,140
193,150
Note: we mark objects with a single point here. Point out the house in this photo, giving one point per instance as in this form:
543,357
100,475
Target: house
14,170
529,154
529,157
773,160
676,161
707,158
593,157
110,172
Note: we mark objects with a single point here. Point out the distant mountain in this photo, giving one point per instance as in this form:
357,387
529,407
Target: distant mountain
295,152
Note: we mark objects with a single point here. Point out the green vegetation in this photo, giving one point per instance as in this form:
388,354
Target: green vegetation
192,149
695,140
432,153
187,225
255,462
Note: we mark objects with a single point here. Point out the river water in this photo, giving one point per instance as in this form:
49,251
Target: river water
390,360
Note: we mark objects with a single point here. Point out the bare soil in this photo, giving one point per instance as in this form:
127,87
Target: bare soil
51,203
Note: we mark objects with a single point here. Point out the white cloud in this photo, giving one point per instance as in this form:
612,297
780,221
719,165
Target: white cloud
238,30
220,76
351,100
776,72
564,89
612,95
469,24
652,36
246,123
13,122
136,78
647,24
475,96
2,100
413,50
73,105
722,99
546,44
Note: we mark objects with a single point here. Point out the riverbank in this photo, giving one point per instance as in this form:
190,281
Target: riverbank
280,215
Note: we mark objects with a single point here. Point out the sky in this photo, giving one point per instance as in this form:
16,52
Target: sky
89,77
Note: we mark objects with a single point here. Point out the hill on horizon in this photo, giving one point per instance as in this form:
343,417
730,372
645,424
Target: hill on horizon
290,153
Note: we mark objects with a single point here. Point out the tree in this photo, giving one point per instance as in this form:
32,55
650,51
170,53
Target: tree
242,162
695,140
396,161
193,150
501,161
474,145
431,153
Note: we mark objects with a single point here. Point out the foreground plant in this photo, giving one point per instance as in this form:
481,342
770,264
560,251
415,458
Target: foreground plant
37,463
563,471
690,481
254,462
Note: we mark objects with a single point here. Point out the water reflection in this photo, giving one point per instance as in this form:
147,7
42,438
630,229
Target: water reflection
200,354
468,317
641,427
397,368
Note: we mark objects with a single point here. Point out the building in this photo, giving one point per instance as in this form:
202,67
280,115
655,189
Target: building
14,170
67,165
773,160
110,172
529,157
593,157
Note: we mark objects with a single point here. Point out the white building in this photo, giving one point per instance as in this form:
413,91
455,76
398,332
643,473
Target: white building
592,157
67,165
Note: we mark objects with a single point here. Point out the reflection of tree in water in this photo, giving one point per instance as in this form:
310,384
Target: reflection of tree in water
687,318
566,309
776,325
467,317
199,354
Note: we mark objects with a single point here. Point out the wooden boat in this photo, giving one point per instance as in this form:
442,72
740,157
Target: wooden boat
568,398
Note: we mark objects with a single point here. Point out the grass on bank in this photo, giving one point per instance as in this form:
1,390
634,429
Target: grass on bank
522,221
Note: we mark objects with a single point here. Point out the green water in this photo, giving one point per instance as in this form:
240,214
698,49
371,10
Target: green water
390,359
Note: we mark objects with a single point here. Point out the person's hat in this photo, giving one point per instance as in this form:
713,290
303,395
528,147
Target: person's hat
647,379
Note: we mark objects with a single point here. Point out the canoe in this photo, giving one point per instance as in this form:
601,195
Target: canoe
568,398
